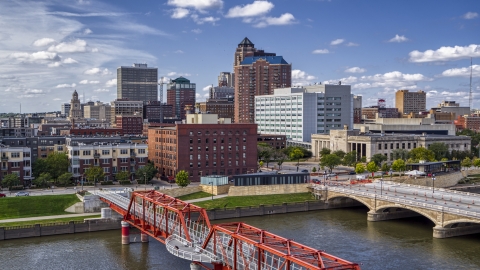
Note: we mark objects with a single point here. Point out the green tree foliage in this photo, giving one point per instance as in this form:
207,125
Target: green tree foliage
264,152
466,162
360,168
39,167
122,176
314,169
149,170
400,154
330,161
372,167
461,155
280,157
296,154
421,153
182,179
385,167
378,159
57,164
398,165
10,180
324,151
65,179
260,163
350,158
94,174
475,140
440,150
476,162
42,180
339,153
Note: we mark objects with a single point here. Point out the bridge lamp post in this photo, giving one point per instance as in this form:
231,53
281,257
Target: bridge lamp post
381,185
211,183
433,183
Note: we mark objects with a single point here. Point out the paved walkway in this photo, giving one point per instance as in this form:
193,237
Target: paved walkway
47,217
207,198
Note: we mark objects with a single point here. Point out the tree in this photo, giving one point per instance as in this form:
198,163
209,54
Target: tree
372,167
42,180
330,161
360,168
314,169
339,153
296,154
65,179
439,150
182,179
260,163
385,167
378,159
400,154
122,176
11,180
324,151
39,167
476,162
57,164
350,158
149,170
421,153
466,162
280,157
264,152
94,173
398,165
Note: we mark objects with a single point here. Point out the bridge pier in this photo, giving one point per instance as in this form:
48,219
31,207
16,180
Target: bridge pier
376,216
144,237
125,233
441,232
194,266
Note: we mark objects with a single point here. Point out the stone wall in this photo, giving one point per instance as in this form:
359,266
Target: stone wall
38,230
177,192
470,172
441,181
223,189
268,189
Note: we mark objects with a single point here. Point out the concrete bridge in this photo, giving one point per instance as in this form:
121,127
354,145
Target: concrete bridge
454,213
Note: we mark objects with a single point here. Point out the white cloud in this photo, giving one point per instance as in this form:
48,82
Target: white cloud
171,74
398,39
432,93
462,72
70,61
111,83
78,45
470,15
97,71
54,64
179,51
284,19
320,51
352,44
197,31
34,91
36,56
87,31
196,4
101,90
300,77
206,88
203,20
43,42
391,80
179,13
337,41
348,80
57,99
445,54
256,8
355,70
66,85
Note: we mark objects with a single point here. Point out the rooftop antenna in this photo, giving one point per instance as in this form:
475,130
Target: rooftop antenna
470,97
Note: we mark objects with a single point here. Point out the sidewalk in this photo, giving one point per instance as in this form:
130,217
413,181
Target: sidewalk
47,217
207,198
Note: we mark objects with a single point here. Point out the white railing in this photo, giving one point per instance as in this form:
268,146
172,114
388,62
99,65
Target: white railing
198,254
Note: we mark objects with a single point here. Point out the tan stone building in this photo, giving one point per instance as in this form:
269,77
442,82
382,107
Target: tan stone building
407,102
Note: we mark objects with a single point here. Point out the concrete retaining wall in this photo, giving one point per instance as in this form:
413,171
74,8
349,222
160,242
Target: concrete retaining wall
441,181
470,172
268,189
59,228
223,189
177,192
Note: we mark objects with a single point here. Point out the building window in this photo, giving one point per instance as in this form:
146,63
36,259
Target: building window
379,146
86,161
105,152
141,151
105,161
86,152
123,151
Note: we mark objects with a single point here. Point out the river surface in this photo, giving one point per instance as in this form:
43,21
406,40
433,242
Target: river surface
397,244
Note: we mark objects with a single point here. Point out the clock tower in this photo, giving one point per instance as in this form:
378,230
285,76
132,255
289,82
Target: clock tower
75,107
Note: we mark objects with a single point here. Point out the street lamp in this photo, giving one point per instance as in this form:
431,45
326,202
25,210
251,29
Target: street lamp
212,188
433,183
324,177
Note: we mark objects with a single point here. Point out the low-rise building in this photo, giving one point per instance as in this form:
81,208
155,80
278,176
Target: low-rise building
17,160
275,141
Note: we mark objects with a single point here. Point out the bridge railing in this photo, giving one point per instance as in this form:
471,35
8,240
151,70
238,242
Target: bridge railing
408,202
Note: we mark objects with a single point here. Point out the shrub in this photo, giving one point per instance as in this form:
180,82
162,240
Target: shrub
106,183
124,182
82,192
17,188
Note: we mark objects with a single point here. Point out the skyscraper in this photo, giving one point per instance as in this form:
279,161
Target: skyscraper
137,83
407,102
256,73
180,93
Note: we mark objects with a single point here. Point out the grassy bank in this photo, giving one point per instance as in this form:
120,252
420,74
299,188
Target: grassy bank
34,206
193,196
245,201
45,221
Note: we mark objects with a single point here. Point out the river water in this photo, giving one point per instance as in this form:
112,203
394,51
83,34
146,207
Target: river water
396,244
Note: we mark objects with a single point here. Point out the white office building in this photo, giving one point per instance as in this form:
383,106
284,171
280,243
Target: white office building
300,112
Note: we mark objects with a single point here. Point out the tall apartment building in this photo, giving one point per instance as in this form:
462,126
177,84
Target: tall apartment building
125,107
357,109
203,146
180,93
220,92
226,79
16,160
98,110
256,73
300,112
407,102
137,82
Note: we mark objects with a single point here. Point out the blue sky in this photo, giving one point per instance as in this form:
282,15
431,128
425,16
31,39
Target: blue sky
50,48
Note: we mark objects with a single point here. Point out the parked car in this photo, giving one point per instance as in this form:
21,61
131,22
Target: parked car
2,195
22,193
305,171
352,172
331,174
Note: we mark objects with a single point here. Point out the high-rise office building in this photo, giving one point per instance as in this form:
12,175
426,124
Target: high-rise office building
225,79
65,110
180,93
137,82
256,73
407,102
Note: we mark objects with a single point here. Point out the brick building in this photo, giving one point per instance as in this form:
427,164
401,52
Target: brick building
275,141
151,111
16,160
129,125
468,122
223,107
208,148
180,93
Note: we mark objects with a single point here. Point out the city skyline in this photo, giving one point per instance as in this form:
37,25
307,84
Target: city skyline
53,47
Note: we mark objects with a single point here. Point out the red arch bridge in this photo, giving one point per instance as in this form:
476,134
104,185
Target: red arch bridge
187,233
